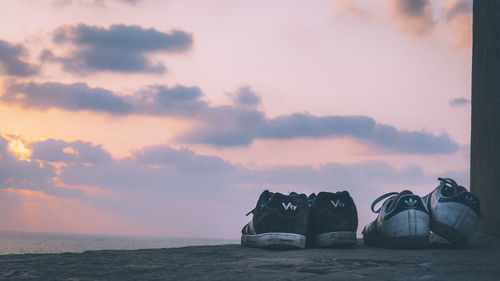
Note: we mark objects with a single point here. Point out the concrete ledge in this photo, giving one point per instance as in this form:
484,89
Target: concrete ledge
233,262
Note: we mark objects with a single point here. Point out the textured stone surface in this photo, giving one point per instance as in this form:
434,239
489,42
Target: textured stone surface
485,138
233,262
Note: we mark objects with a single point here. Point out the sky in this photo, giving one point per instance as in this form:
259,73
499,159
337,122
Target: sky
169,118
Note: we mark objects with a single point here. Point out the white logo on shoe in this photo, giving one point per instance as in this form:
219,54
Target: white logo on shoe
289,206
411,203
337,203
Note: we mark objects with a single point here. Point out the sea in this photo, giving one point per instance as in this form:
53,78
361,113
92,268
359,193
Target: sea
15,242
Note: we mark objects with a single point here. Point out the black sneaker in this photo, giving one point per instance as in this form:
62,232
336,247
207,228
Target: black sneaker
402,222
333,220
279,221
454,211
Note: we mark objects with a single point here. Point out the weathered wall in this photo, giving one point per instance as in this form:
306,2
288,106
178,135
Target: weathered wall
485,135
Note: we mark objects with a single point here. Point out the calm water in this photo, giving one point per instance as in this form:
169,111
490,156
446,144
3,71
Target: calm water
31,242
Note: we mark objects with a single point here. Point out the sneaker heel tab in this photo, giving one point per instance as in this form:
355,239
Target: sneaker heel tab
345,193
409,201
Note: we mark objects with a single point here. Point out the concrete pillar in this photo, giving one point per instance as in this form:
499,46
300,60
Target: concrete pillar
485,135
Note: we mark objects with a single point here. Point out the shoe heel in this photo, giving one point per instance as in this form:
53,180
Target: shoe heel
450,234
454,221
407,229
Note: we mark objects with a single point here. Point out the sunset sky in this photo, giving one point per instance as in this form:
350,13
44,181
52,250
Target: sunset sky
169,118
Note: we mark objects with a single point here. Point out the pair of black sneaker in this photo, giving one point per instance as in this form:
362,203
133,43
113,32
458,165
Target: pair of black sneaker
295,220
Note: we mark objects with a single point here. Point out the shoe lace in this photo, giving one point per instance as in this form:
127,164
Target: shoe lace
450,186
380,199
449,181
251,212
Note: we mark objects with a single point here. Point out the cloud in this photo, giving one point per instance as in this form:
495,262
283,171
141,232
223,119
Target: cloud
361,127
155,180
459,17
52,150
228,125
240,127
459,102
158,177
182,160
162,100
246,97
71,97
415,16
13,60
15,173
119,48
164,172
455,8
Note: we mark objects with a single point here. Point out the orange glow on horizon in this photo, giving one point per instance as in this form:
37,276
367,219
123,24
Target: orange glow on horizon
34,210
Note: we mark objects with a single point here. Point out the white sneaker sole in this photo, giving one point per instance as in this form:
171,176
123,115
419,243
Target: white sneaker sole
333,239
278,240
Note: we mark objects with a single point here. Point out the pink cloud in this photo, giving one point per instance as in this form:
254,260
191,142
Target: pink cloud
414,16
459,18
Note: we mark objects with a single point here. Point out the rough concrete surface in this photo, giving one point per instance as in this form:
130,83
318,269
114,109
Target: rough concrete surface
478,261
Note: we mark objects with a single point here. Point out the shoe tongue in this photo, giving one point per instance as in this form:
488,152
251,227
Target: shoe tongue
265,196
311,197
343,194
450,190
394,199
451,187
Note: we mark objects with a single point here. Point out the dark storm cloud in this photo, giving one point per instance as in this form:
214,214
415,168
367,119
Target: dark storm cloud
459,102
12,60
119,48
